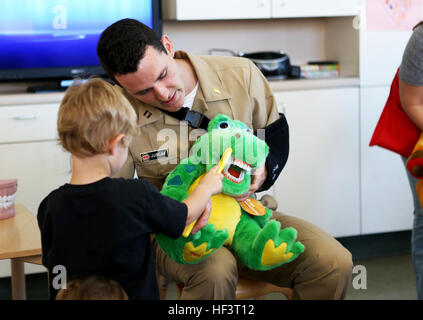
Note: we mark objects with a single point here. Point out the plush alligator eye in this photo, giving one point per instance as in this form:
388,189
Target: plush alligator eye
223,125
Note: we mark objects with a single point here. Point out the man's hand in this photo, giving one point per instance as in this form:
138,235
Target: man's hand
203,219
259,176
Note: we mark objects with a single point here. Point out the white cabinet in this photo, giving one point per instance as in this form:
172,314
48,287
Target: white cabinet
256,9
215,10
312,8
380,55
40,167
25,122
320,182
29,151
386,199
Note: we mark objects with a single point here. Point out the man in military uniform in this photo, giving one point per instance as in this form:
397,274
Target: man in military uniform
166,87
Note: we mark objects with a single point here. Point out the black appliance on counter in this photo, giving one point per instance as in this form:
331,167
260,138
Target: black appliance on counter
275,65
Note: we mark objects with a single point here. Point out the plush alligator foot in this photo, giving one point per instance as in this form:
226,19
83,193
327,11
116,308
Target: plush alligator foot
279,245
191,253
203,243
273,255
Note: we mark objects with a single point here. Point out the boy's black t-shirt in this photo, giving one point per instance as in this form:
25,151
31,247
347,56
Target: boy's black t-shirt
104,228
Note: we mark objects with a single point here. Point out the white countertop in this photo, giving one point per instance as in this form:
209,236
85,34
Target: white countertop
30,98
279,85
305,84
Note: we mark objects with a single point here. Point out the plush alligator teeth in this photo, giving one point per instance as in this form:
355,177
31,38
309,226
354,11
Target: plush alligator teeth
237,172
242,165
232,178
7,201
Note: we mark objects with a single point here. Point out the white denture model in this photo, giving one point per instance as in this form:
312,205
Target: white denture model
8,189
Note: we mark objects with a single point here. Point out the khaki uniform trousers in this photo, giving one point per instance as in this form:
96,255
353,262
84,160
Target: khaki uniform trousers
322,271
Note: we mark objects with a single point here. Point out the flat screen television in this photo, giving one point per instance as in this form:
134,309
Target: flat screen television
57,39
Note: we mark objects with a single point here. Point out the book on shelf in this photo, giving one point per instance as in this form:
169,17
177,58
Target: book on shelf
313,70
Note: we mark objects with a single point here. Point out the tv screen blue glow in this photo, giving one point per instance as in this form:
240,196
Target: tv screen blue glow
60,33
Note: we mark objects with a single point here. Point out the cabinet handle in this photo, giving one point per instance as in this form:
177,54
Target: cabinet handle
24,118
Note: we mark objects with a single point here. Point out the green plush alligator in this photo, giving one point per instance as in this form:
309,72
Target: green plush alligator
244,227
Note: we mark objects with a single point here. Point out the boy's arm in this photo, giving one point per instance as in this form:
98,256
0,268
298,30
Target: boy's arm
198,200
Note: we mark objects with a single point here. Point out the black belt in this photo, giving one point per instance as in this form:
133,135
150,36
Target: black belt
195,119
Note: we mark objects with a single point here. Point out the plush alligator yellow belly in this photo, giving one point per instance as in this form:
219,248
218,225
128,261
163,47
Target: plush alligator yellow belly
225,213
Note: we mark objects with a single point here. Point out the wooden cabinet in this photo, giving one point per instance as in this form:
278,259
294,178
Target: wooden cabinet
256,9
386,201
320,182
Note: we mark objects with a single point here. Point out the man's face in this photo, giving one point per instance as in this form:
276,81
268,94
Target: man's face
157,81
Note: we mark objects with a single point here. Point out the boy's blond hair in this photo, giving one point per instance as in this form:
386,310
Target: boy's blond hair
92,288
91,114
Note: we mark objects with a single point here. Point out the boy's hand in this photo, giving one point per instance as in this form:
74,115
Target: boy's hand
213,181
203,219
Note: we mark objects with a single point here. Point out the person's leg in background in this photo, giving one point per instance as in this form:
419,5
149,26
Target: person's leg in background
417,236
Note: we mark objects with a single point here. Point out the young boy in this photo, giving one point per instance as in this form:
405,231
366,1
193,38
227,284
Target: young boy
96,225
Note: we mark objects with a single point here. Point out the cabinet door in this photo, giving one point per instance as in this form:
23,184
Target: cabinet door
387,203
312,8
39,167
380,55
215,10
20,123
320,182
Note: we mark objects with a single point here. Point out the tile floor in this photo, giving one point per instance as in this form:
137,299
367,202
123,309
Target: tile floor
385,278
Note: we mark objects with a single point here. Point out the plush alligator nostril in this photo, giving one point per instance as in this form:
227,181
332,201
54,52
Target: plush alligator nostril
237,136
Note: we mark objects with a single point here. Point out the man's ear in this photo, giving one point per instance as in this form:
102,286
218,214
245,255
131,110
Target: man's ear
114,142
168,45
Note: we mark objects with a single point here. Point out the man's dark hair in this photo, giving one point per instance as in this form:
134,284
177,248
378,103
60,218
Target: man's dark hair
122,45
